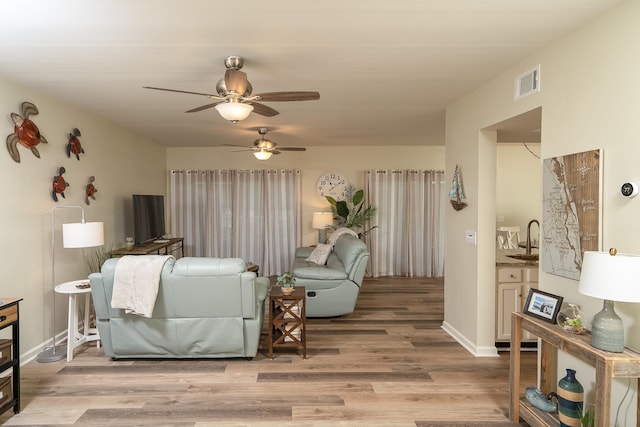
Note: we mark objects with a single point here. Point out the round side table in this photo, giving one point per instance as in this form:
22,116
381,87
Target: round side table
74,337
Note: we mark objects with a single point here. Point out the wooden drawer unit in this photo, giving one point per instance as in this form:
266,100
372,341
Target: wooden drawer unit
510,275
10,356
8,315
6,391
6,355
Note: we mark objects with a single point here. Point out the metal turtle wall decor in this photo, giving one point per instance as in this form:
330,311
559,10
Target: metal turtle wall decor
25,132
91,189
59,184
74,147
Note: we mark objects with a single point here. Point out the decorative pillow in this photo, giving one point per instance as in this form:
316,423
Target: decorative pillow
320,254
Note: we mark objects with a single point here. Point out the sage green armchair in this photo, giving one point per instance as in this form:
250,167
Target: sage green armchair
332,289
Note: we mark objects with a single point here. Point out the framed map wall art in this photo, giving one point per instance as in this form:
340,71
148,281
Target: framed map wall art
571,211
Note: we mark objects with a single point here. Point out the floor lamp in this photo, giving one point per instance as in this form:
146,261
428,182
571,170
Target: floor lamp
75,235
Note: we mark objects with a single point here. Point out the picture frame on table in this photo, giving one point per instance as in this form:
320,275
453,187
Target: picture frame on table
543,305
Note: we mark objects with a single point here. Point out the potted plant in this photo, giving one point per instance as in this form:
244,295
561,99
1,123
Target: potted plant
95,257
572,322
351,212
286,282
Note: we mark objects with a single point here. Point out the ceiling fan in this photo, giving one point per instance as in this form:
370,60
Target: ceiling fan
234,95
263,148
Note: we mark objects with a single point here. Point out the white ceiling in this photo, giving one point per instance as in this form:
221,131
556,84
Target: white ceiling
385,70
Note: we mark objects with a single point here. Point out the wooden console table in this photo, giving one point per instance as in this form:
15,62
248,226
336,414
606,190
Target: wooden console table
169,246
608,365
9,316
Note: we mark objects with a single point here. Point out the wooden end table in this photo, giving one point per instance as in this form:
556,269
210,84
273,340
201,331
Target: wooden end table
287,320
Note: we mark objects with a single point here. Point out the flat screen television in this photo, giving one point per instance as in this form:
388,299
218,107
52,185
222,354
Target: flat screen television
148,217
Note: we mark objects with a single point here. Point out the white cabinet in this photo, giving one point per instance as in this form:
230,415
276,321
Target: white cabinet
512,287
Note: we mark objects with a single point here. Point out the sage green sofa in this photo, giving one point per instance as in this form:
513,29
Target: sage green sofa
205,308
332,289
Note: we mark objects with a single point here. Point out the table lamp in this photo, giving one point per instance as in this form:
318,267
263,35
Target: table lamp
74,235
612,277
321,220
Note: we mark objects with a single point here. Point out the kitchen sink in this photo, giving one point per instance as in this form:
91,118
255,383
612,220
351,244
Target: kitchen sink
525,257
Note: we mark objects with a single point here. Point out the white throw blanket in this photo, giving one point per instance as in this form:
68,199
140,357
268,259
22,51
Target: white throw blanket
136,282
339,232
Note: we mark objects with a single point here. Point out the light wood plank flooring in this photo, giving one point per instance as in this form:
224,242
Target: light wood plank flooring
387,364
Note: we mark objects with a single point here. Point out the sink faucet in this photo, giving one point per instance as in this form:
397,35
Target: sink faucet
528,249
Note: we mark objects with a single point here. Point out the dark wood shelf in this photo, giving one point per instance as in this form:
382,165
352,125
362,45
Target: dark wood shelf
169,246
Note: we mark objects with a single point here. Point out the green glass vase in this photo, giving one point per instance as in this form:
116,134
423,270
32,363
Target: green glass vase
570,400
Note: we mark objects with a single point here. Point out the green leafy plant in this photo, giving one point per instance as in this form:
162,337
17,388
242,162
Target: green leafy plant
95,257
588,418
573,323
287,280
351,212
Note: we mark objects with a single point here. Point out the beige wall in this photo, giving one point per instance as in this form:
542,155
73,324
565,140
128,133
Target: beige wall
122,163
589,100
351,161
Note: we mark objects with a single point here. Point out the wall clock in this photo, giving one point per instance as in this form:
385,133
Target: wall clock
332,184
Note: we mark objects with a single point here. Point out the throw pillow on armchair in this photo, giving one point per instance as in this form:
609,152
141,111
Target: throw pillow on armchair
320,254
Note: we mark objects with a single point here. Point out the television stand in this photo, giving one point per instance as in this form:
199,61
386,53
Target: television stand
153,247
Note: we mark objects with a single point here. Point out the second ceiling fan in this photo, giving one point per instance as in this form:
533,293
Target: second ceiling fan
264,148
234,94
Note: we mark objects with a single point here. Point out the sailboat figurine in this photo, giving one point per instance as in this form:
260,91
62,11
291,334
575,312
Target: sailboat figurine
456,195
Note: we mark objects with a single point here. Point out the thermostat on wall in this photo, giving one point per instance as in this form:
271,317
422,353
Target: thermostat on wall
629,189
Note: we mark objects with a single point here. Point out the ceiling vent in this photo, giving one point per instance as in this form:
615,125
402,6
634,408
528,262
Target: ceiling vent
527,83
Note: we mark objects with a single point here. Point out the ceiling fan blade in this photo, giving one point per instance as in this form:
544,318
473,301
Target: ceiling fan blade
288,96
263,110
184,91
292,149
274,151
236,81
241,146
203,107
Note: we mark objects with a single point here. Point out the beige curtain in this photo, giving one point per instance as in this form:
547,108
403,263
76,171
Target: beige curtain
409,240
254,215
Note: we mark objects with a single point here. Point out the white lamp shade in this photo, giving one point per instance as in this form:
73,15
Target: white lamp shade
321,220
262,155
610,277
82,235
234,111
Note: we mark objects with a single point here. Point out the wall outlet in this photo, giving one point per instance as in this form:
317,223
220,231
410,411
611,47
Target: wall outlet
470,237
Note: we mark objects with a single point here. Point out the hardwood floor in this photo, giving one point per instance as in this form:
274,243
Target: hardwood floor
387,364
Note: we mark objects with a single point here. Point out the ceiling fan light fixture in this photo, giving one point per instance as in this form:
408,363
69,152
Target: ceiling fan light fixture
234,111
262,154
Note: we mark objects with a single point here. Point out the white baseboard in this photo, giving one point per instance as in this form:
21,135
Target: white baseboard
488,351
31,354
